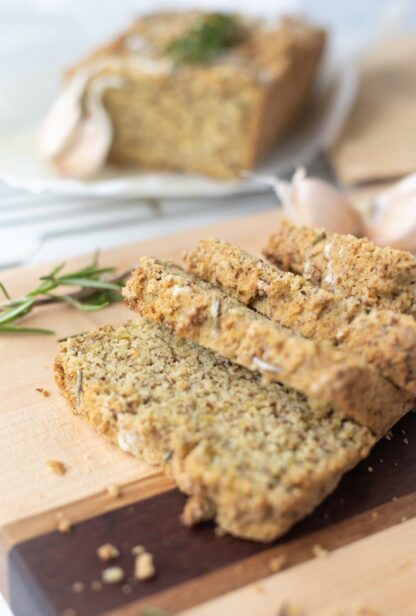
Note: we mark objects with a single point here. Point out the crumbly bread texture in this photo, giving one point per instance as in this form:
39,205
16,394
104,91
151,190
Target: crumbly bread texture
252,456
384,338
328,376
216,118
377,277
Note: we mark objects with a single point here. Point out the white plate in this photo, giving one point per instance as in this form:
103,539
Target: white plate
334,94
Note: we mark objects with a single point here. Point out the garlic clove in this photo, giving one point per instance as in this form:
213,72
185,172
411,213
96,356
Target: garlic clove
314,203
387,199
397,225
318,204
63,117
87,149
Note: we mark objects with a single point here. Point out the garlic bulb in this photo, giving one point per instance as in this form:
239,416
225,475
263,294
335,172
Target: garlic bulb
393,220
314,203
76,137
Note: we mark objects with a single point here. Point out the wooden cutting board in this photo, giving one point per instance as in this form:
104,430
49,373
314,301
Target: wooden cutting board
368,524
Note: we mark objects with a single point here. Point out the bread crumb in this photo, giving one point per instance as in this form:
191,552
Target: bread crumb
144,567
370,469
375,514
78,587
112,575
277,563
108,551
403,519
389,435
319,551
64,525
113,490
44,392
57,467
96,585
289,610
406,441
138,549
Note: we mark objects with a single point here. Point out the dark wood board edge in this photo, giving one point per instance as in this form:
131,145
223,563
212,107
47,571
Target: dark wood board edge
257,567
184,554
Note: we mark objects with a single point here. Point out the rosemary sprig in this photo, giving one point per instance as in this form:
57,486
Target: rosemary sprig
210,35
96,290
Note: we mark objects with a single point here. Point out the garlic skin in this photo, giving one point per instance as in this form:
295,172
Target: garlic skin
76,137
314,203
393,221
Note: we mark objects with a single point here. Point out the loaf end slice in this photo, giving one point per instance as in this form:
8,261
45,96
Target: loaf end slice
353,267
384,338
252,456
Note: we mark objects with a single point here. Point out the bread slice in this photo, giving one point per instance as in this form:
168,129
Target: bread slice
252,456
328,376
217,116
352,267
384,338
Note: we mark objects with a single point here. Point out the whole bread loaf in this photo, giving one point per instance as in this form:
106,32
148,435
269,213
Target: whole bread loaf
183,108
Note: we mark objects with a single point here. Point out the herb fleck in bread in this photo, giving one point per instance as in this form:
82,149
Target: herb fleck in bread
328,376
253,456
384,338
377,277
216,117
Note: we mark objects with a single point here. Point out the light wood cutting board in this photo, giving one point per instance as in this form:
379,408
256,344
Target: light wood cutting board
366,524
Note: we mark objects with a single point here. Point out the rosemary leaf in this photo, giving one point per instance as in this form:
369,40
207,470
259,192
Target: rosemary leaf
210,35
18,311
5,291
16,329
86,306
88,283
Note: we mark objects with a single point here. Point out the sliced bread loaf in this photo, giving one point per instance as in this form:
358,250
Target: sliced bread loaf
253,456
328,376
384,338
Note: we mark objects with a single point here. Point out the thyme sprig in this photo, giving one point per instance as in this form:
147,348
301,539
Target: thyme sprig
97,289
209,36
